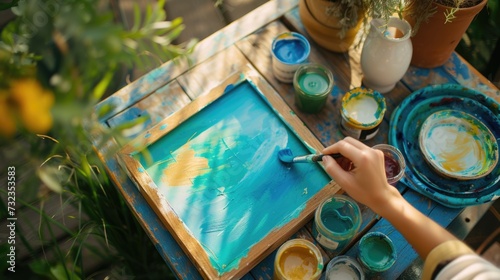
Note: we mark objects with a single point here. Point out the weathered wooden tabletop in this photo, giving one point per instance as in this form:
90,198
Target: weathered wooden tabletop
246,42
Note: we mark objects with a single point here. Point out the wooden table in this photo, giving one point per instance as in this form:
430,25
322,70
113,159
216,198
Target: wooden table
246,42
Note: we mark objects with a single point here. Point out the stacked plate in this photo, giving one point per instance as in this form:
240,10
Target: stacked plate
449,137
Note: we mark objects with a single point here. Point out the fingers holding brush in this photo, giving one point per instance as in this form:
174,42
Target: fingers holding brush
367,176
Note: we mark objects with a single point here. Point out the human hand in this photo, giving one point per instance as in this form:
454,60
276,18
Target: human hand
366,181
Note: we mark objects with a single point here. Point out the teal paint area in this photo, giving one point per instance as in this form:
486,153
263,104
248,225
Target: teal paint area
376,252
219,171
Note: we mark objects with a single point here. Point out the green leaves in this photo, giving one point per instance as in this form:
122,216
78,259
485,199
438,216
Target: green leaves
77,50
51,177
5,6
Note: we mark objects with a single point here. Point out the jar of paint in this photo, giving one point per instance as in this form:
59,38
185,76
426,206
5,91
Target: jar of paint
298,259
344,267
312,84
394,162
289,51
376,252
336,222
362,113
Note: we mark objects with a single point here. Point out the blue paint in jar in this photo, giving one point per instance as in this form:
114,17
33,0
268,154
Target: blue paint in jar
290,50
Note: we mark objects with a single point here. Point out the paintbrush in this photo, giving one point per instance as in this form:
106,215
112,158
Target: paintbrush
286,156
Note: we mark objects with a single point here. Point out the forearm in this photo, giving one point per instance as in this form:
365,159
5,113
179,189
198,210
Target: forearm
419,230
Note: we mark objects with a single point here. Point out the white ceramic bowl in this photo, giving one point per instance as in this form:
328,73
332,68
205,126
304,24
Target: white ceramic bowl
458,145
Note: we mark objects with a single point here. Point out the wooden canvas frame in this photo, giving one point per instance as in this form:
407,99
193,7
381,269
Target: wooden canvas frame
176,226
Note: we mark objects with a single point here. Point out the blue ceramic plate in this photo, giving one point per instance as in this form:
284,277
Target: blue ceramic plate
406,121
458,145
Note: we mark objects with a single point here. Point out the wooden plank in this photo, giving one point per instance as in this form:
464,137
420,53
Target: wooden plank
176,221
456,71
155,107
234,9
204,77
171,97
213,44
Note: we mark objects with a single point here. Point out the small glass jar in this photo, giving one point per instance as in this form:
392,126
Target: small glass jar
336,221
376,252
362,113
394,162
344,267
298,259
312,83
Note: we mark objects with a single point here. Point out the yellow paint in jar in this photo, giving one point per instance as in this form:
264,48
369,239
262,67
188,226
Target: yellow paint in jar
362,113
298,259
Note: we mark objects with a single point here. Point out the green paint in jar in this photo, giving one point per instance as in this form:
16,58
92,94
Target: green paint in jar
312,83
376,252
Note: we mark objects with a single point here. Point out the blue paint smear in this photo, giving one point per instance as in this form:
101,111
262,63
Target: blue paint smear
247,192
228,88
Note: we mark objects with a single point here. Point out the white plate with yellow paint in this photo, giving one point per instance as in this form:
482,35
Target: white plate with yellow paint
458,145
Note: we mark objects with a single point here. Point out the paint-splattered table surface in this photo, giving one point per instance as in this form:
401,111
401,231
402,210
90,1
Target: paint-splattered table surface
246,44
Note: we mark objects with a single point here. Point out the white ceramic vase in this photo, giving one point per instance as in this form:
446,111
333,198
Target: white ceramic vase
386,53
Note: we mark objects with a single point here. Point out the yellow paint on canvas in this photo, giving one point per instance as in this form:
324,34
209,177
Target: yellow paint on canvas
186,167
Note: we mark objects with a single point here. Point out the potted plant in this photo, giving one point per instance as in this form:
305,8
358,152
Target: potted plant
438,26
334,24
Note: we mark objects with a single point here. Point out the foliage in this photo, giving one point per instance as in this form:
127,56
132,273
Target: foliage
55,65
420,10
349,11
483,35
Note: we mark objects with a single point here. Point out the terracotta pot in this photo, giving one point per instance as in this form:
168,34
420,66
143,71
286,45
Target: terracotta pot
324,29
435,41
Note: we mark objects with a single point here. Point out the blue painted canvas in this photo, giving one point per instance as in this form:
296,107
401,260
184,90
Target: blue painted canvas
219,171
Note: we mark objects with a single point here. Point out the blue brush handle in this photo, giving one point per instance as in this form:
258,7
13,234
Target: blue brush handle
314,158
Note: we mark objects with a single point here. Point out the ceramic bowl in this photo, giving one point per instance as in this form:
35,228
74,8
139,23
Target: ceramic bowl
458,145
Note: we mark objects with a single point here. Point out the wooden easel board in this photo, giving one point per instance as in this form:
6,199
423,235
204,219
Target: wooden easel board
211,173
